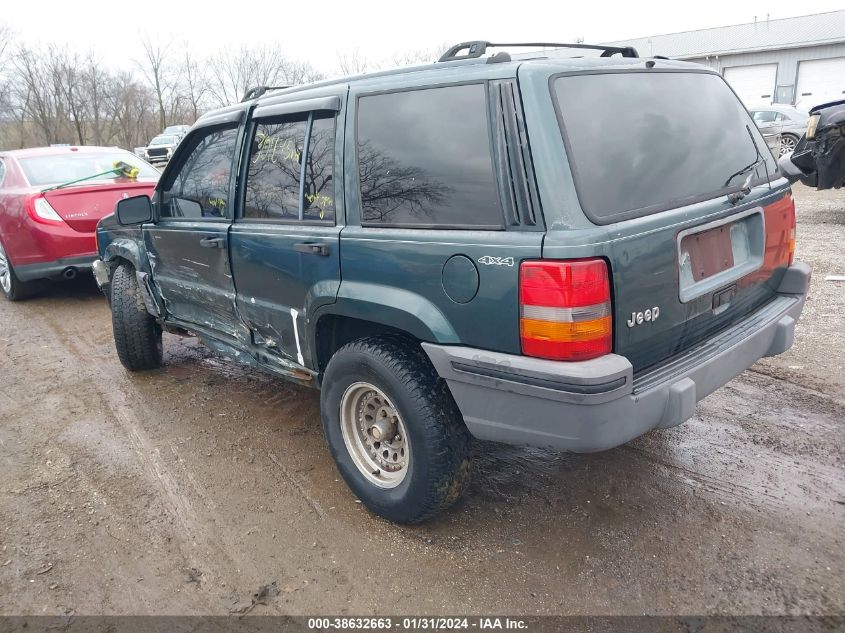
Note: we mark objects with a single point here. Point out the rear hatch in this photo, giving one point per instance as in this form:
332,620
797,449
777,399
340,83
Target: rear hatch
689,214
82,206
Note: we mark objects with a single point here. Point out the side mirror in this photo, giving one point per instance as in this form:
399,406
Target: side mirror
134,210
788,169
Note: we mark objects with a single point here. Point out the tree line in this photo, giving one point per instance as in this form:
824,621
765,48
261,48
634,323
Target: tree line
53,94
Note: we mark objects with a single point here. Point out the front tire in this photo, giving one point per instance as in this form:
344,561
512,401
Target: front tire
13,288
137,336
394,429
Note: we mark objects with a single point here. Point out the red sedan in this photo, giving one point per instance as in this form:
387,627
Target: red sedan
46,224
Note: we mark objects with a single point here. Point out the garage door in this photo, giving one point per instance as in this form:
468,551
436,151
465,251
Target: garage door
820,80
755,85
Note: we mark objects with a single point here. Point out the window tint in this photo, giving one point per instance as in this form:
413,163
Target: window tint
200,189
275,168
424,159
272,183
319,185
640,142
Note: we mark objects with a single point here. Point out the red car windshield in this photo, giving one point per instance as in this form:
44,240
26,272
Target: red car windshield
54,169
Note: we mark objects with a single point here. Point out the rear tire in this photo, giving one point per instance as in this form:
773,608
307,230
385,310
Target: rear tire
389,380
13,288
137,336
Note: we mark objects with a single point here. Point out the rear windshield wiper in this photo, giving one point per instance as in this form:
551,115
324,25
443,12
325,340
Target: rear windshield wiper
745,189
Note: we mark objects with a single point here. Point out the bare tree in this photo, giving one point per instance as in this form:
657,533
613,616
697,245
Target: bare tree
95,86
234,71
354,63
419,56
58,94
71,83
36,91
158,73
194,84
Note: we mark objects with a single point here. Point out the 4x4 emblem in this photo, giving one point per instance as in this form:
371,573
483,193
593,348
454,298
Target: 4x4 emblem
489,260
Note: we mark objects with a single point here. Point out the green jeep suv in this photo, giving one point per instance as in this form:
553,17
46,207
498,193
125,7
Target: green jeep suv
538,249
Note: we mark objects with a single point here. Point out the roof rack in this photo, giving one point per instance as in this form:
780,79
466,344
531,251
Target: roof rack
478,47
257,91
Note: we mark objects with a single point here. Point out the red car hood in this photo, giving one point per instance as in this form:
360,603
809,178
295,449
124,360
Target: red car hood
82,206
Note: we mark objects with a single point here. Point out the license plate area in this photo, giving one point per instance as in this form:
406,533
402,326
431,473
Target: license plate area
719,253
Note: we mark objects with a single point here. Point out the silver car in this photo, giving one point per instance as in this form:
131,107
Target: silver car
785,121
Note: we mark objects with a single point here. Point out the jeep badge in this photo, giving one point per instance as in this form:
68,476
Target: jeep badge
637,318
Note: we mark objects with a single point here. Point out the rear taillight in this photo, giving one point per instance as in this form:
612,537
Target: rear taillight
565,309
41,211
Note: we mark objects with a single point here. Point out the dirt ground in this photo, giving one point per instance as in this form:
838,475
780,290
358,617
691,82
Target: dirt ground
185,490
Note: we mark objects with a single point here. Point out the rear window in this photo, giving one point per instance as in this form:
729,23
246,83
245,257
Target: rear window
643,142
54,169
424,159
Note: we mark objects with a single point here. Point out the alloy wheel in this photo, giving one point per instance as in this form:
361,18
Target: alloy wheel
5,271
787,144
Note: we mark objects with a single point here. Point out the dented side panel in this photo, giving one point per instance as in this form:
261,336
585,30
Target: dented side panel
194,280
280,287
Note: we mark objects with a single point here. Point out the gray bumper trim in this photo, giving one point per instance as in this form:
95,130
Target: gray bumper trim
29,272
595,405
101,273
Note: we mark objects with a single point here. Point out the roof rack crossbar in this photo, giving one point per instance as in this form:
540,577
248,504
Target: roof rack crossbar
477,48
257,91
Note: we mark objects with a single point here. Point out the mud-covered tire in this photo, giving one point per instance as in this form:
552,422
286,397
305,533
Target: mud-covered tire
438,466
137,336
13,288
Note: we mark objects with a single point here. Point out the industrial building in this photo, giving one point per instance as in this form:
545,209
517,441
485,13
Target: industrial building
799,61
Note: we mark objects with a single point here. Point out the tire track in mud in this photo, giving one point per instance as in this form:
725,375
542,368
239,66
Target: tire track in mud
202,542
198,545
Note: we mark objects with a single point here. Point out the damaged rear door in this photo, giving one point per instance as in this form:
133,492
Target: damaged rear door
285,242
188,244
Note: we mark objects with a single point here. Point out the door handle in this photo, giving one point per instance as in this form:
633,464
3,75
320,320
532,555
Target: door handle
313,248
213,242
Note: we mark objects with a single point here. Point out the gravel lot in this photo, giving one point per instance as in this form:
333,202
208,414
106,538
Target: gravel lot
185,490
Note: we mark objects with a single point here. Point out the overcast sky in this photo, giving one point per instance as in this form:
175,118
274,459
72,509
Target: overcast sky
317,31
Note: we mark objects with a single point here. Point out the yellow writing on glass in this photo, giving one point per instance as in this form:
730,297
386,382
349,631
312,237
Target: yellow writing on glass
271,148
319,199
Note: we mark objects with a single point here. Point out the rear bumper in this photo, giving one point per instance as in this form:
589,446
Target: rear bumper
598,404
46,270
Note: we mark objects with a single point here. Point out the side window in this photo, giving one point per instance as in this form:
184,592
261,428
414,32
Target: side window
764,116
200,188
424,159
2,171
319,185
275,188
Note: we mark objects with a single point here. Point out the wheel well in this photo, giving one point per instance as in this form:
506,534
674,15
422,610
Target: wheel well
334,331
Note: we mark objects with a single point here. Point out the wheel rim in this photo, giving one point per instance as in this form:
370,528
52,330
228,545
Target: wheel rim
787,144
375,435
5,271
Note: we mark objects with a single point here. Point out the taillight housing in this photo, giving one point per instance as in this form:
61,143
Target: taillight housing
40,211
564,309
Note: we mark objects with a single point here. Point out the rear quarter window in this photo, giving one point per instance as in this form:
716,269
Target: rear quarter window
424,159
644,142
